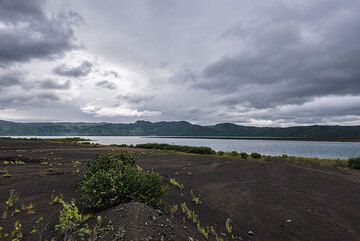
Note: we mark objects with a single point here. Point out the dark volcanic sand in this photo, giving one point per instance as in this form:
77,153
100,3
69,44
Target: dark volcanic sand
275,200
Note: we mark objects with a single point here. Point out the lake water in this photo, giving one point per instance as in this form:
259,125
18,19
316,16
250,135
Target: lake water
321,149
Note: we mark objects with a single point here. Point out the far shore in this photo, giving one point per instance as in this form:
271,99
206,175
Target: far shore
326,139
340,139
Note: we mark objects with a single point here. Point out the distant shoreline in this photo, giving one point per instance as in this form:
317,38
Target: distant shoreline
324,139
265,138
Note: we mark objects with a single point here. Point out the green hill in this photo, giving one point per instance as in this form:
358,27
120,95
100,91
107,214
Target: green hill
179,128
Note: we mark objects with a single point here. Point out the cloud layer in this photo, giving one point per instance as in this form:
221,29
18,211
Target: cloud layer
275,63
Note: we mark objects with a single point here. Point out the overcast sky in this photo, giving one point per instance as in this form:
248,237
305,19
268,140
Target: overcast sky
263,63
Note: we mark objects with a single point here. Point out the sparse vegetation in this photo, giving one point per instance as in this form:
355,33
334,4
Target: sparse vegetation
114,177
74,225
354,163
73,140
10,202
187,149
14,163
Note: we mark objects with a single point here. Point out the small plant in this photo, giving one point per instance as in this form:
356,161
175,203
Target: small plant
354,163
173,209
175,183
234,153
56,199
255,155
220,153
5,173
10,202
189,214
16,233
228,226
75,163
70,219
195,199
28,208
204,231
244,155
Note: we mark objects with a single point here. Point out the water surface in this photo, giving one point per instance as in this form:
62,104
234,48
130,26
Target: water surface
321,149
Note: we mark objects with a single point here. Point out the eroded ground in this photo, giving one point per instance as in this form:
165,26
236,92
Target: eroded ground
265,200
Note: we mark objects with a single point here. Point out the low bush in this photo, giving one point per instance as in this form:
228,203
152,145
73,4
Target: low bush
255,155
187,149
244,155
354,163
113,178
234,153
221,153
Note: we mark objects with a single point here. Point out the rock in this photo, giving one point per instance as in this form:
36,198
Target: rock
251,233
288,220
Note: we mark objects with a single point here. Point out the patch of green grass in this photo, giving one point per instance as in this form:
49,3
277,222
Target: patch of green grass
112,178
312,160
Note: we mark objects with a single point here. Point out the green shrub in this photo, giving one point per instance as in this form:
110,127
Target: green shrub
244,155
255,155
221,153
113,178
187,149
354,163
234,153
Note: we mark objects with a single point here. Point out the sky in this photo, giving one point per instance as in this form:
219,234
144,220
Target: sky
259,63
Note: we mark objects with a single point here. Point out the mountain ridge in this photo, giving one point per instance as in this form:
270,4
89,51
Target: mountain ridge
173,128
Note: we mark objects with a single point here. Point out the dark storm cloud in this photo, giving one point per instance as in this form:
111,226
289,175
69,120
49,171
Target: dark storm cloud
32,99
29,33
106,84
79,71
293,55
53,84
